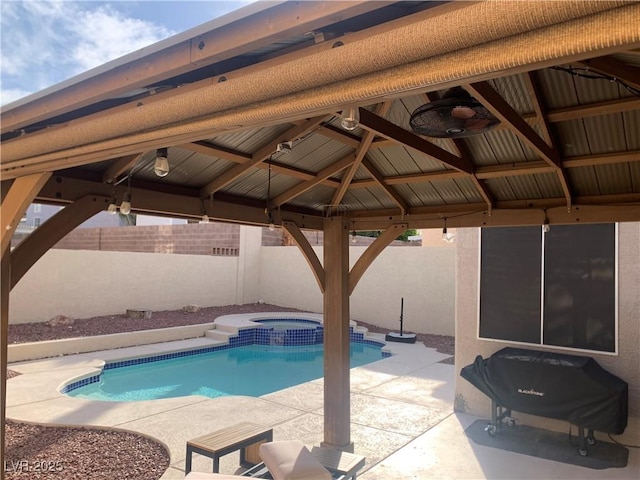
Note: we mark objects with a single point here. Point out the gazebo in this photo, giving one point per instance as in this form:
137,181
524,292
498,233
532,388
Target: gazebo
340,117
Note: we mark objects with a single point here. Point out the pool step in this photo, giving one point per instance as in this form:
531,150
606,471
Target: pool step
219,335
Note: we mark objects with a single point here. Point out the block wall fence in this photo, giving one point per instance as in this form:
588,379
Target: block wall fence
91,282
192,239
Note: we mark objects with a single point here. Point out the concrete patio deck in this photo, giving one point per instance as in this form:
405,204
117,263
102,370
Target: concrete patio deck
402,417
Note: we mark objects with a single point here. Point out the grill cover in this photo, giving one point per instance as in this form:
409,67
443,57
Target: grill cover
565,387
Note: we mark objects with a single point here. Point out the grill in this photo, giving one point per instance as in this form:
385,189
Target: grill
565,387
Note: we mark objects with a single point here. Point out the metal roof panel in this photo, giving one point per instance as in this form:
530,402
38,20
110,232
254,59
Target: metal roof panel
573,138
605,133
481,151
631,122
614,178
512,89
583,181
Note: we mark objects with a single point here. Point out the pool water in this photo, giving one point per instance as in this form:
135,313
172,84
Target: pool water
252,370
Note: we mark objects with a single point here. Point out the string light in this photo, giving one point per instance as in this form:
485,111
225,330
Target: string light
350,118
125,206
448,237
161,166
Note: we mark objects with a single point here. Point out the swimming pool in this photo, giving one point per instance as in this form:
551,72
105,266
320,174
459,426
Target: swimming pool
252,370
277,354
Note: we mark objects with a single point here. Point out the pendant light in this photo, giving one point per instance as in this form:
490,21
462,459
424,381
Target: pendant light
161,166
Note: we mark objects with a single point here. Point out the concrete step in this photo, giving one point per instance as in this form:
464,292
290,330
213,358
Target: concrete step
219,335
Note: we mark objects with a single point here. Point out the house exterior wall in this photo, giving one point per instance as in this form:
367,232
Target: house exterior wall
626,364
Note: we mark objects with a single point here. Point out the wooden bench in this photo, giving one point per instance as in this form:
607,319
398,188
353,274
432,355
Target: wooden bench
245,437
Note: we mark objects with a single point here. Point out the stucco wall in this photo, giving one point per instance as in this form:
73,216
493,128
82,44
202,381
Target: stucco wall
423,276
81,284
626,364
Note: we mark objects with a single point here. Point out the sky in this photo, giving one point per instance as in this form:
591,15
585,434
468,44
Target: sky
46,42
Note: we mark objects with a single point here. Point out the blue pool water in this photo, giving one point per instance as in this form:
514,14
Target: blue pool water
251,370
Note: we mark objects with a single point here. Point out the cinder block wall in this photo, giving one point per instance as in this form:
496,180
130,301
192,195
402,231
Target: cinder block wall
280,237
191,239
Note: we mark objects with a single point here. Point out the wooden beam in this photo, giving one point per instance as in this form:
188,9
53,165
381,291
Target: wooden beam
385,128
217,151
31,249
337,411
506,170
334,133
532,87
5,273
372,252
185,203
379,180
513,169
119,166
417,178
5,186
261,155
347,176
307,251
320,177
606,159
239,157
615,68
482,173
15,204
484,93
593,110
482,189
381,110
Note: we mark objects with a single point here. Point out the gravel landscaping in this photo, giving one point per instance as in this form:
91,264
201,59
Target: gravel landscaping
65,453
39,452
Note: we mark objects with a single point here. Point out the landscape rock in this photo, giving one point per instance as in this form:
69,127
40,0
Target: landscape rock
191,308
139,313
60,321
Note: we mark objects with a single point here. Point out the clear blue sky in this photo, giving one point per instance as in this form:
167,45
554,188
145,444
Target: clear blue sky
46,42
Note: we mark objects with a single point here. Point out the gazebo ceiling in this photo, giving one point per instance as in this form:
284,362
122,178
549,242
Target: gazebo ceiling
563,78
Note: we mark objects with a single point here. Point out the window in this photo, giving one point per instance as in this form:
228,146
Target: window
37,207
36,221
555,289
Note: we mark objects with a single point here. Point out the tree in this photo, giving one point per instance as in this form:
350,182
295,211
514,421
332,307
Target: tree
376,233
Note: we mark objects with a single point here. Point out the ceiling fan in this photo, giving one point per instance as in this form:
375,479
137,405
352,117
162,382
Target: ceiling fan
457,114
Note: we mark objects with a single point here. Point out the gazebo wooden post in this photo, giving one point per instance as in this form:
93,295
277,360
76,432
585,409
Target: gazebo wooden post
337,413
5,287
16,198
